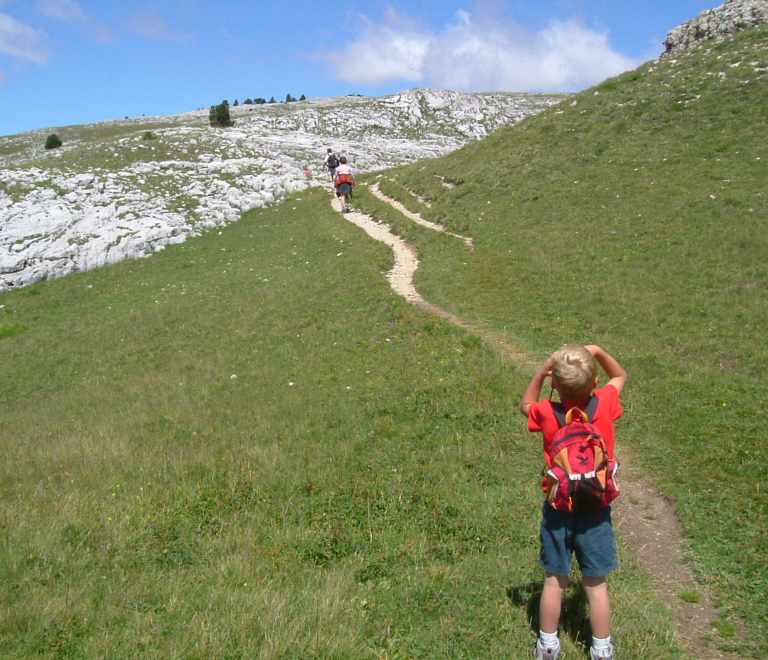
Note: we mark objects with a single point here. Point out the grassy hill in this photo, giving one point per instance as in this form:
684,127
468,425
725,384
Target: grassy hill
634,216
248,447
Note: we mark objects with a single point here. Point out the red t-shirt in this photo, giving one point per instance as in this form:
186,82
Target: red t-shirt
541,418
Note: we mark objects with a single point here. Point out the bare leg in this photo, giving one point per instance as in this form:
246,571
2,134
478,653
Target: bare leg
599,606
551,602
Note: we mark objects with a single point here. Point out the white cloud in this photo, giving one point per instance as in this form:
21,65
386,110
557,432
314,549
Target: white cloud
69,11
393,51
487,52
63,10
21,41
151,25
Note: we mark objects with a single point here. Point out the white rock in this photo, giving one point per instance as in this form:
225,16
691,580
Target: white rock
104,217
733,16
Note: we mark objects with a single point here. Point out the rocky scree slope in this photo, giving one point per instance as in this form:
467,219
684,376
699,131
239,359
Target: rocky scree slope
126,189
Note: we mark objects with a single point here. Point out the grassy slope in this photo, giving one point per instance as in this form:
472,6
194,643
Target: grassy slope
383,505
151,505
635,217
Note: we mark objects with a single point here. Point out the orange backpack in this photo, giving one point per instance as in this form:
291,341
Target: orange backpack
345,178
582,474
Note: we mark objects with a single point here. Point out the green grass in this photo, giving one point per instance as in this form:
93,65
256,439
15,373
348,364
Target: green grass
11,329
363,488
633,216
689,595
724,628
248,447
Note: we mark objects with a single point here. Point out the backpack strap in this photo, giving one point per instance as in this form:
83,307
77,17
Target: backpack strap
564,416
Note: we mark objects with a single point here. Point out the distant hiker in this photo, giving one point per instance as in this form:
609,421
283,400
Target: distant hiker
331,162
325,160
589,533
345,182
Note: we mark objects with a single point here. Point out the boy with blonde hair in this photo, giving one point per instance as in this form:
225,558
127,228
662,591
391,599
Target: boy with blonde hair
573,373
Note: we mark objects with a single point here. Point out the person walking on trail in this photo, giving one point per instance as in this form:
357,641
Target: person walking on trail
344,182
587,531
331,162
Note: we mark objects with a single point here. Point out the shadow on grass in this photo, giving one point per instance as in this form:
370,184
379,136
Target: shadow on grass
574,619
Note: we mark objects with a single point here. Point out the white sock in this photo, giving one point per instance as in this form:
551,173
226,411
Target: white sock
548,640
601,644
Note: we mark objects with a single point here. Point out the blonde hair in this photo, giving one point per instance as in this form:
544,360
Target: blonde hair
574,371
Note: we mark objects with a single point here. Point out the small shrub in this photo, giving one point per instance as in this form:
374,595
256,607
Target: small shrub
53,141
219,115
149,135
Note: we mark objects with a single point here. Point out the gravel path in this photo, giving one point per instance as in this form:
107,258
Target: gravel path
417,218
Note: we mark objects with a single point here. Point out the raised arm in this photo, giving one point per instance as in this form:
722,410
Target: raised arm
533,392
616,373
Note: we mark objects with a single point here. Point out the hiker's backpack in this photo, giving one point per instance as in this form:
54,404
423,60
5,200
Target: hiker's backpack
344,178
582,474
333,161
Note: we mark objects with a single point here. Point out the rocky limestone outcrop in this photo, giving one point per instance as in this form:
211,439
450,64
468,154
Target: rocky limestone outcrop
733,16
190,178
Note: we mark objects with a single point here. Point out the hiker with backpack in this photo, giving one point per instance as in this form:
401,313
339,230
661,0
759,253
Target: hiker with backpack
344,183
331,162
580,484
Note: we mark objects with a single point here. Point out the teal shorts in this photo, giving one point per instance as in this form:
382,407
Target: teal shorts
589,535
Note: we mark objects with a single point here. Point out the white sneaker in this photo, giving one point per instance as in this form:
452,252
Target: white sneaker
546,652
604,654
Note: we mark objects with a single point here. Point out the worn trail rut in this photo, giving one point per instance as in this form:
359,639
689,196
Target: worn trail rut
645,519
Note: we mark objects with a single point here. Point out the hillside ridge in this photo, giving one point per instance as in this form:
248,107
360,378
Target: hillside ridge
127,188
733,16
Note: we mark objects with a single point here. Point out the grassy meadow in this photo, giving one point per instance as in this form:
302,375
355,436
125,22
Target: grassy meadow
634,216
247,446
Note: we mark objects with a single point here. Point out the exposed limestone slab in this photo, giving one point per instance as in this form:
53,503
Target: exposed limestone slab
733,16
54,221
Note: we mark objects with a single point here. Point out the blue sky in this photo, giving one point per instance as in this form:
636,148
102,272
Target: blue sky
68,62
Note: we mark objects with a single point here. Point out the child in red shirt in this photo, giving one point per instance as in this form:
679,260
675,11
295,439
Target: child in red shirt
573,371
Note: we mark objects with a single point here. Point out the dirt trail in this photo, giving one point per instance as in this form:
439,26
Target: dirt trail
468,242
645,519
